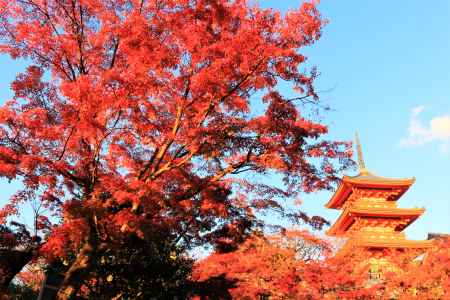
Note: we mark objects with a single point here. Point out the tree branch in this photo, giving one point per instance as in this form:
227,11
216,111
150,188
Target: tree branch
65,144
113,58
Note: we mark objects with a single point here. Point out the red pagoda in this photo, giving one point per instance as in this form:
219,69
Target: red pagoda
370,217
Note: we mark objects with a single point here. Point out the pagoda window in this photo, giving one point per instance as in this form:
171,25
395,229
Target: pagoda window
374,271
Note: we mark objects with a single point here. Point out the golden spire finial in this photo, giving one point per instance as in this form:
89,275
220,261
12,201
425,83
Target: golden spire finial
362,165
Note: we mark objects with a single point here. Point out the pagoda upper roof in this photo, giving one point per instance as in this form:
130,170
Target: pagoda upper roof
347,218
371,179
365,179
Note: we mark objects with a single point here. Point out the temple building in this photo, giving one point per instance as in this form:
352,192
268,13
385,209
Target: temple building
370,216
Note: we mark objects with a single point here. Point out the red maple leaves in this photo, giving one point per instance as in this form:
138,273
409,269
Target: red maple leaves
297,265
139,115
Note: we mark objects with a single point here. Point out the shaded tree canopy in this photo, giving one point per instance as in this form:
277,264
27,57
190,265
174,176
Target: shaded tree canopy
17,247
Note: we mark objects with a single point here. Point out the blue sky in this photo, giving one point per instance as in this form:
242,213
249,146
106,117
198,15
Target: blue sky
386,60
388,63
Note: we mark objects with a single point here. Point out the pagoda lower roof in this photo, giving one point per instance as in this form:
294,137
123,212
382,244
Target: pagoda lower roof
366,180
411,245
348,216
392,244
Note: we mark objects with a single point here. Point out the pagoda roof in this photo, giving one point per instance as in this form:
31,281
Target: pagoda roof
383,244
365,179
347,218
393,243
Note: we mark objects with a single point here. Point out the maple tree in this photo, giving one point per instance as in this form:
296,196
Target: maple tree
134,117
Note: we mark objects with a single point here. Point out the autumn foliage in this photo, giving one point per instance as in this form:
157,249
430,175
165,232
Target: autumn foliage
427,277
294,265
276,267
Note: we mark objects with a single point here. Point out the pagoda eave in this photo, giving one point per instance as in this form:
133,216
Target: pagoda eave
366,181
349,215
392,244
408,245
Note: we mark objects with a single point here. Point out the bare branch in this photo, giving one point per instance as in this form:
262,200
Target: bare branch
113,58
65,144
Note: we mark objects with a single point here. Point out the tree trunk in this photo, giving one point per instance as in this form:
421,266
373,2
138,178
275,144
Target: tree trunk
11,263
73,277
